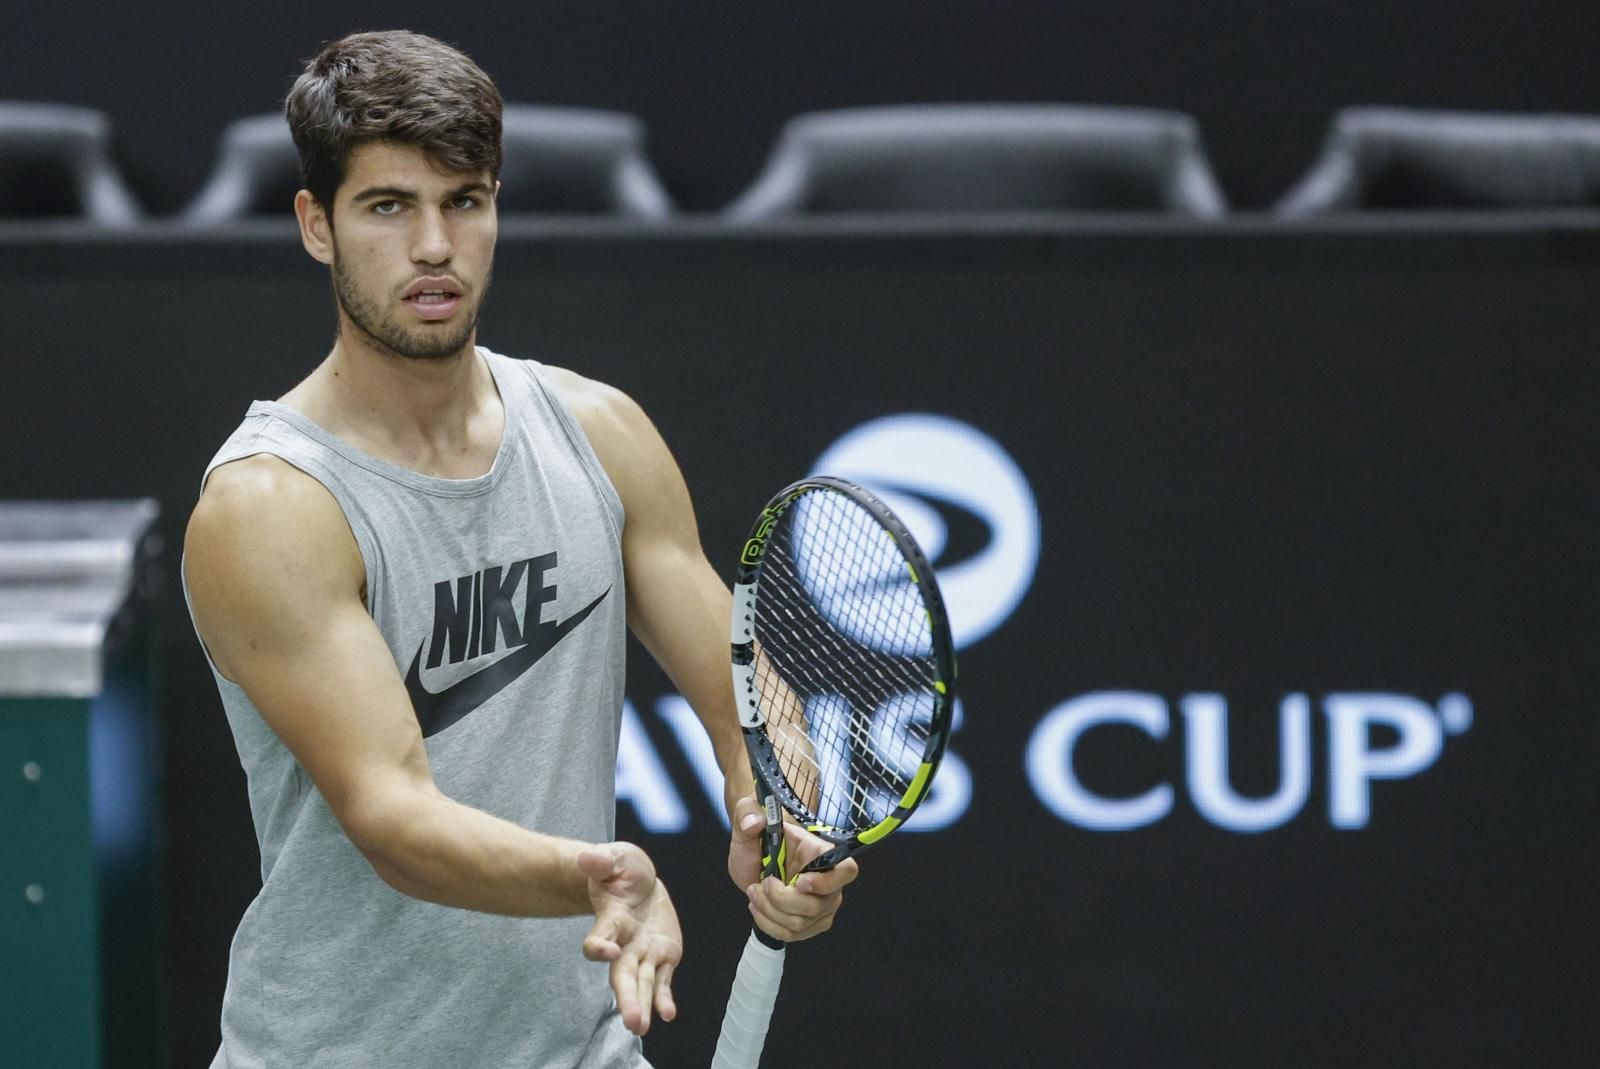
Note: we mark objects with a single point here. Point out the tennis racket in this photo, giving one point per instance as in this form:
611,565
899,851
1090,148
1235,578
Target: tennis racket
844,678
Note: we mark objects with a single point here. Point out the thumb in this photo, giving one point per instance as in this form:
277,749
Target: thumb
600,863
747,819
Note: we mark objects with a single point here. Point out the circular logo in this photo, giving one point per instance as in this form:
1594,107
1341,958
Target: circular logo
965,501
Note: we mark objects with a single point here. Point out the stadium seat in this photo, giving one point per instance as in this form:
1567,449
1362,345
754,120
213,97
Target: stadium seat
56,162
1393,158
984,158
557,161
579,160
257,173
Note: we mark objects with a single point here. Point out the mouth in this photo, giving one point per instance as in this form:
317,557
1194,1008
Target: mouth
432,300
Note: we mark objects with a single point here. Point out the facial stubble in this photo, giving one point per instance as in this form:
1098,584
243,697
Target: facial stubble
388,333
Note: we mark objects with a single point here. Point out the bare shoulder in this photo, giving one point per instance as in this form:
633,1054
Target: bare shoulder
620,433
265,503
602,409
266,542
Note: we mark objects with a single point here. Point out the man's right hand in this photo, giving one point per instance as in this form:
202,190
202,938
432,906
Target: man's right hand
635,929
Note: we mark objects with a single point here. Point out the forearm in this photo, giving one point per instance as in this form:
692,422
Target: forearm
737,779
431,847
691,644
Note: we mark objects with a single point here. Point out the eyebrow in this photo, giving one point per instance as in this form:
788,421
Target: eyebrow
397,193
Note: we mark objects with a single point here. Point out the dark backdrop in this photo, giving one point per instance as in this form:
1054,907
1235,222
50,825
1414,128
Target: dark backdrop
715,79
1267,462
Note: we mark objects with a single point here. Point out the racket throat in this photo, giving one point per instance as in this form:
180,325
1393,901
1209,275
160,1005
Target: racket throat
825,861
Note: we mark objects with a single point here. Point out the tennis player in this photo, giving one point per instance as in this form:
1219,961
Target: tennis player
412,574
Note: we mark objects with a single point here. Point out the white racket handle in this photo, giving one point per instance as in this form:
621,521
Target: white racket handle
755,989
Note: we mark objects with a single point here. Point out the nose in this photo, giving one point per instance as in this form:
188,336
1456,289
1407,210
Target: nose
430,238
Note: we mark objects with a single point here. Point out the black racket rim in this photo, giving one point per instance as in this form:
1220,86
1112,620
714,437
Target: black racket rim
764,759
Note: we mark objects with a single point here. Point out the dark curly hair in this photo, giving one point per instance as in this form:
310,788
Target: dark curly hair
392,86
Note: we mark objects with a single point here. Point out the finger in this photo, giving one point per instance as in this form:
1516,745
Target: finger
786,909
803,846
830,881
601,942
791,928
666,1008
625,985
801,914
777,929
645,988
793,900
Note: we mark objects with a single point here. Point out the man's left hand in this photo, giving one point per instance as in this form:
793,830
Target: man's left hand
789,913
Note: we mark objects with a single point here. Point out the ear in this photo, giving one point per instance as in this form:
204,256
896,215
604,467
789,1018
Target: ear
316,229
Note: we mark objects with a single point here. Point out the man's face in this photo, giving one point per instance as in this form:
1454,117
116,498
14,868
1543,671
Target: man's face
412,250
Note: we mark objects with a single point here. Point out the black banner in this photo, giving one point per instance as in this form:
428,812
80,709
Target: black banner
1270,555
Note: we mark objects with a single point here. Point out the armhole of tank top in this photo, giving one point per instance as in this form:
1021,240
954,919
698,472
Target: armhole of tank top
579,439
364,545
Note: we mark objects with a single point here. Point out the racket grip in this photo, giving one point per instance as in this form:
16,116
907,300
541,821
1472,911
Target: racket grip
755,989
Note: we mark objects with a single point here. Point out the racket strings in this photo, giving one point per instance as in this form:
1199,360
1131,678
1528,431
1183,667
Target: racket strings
846,671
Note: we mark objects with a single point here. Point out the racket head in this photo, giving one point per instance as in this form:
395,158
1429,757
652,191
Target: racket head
844,670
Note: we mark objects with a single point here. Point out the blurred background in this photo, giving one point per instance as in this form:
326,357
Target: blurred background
1237,360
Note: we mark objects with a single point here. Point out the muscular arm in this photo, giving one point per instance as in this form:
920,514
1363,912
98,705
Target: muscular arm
276,582
680,610
678,607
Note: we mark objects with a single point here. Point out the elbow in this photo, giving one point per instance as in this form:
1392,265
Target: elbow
395,877
386,827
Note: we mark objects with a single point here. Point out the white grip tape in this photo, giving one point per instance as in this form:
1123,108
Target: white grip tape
744,614
755,989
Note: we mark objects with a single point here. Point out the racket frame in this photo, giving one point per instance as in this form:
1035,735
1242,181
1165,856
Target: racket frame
755,984
772,787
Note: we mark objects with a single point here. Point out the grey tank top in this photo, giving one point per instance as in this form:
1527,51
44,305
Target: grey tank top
501,598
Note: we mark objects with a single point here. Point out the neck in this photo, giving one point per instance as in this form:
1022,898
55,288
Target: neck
440,416
372,385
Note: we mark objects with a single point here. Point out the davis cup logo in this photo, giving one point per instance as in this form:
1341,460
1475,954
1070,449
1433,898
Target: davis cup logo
970,508
953,486
973,512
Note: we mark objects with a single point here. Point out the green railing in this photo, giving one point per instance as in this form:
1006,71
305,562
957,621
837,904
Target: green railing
80,861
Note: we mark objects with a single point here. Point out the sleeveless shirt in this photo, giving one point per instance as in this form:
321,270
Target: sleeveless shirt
501,599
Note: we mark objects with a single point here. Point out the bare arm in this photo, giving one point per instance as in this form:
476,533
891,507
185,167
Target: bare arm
275,579
677,606
276,582
679,609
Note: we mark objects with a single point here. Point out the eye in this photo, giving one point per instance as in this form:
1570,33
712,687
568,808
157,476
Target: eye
465,202
386,207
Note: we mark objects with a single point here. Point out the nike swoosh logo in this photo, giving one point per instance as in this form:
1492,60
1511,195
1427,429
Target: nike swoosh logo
437,710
